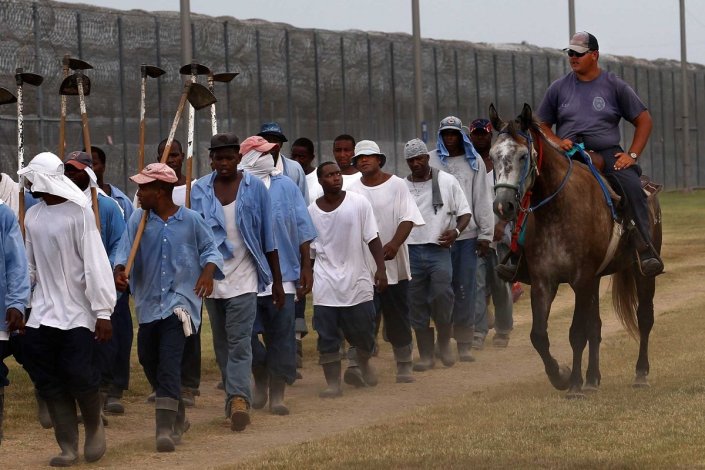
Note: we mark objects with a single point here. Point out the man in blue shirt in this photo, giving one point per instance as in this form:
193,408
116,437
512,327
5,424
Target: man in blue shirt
117,377
274,362
236,206
14,291
173,270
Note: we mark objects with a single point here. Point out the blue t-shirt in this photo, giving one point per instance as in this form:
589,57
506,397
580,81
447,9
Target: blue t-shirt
590,110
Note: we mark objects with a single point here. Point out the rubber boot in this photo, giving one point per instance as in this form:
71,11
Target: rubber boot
63,416
353,373
42,411
331,370
424,341
464,337
368,372
165,414
2,410
261,375
445,350
404,365
299,353
181,425
91,405
277,385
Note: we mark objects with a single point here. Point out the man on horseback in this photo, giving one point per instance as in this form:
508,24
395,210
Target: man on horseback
586,106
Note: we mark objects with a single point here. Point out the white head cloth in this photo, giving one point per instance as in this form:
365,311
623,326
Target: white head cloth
259,165
46,173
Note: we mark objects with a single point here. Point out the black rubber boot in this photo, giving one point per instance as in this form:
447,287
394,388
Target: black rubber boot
91,405
42,411
181,425
63,416
424,342
261,375
277,385
165,414
404,365
332,372
445,350
369,376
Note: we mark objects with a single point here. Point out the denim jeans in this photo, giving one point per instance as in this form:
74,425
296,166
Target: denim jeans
489,284
278,352
231,323
430,289
160,348
356,322
394,303
464,261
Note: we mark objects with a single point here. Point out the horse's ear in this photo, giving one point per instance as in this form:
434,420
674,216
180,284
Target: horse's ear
526,118
496,121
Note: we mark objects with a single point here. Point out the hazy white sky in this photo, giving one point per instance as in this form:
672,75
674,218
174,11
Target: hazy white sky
641,28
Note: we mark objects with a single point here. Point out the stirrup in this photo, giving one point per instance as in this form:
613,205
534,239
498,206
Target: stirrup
506,272
651,266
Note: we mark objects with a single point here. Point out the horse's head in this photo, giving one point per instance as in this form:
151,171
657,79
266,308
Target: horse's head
514,160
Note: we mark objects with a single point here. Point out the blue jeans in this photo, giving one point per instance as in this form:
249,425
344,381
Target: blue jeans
489,284
278,352
430,289
231,323
356,322
464,261
160,348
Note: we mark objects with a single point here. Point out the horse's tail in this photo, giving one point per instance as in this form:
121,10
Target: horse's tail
625,299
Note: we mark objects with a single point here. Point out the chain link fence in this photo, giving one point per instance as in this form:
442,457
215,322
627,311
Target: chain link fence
316,84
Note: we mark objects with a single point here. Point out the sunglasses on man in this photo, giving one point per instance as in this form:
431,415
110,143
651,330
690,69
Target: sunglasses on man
572,53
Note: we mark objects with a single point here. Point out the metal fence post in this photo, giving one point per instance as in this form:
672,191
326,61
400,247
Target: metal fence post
435,82
158,53
226,53
342,83
370,122
38,67
318,90
79,39
287,58
394,103
457,82
259,76
121,79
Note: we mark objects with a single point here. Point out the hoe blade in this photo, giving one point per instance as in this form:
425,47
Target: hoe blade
200,97
200,69
225,77
69,86
6,97
78,64
153,71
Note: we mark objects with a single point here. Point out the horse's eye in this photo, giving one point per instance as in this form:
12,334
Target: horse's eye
523,157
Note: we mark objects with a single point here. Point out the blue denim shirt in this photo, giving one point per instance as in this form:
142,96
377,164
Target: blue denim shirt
253,216
293,170
169,261
14,274
292,225
123,201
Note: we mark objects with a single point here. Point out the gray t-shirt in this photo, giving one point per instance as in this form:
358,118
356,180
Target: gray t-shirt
590,110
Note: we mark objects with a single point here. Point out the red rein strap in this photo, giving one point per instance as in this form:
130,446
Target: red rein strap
526,200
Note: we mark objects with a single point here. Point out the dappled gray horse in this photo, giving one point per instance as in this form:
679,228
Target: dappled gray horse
566,240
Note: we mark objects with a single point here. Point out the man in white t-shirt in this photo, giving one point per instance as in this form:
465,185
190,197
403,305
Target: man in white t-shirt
456,155
343,152
237,208
396,214
489,284
343,284
445,210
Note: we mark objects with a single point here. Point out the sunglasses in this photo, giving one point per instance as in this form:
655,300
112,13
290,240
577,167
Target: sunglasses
572,53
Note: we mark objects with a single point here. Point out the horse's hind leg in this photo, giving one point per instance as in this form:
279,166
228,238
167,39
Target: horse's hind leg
594,336
586,309
645,288
542,295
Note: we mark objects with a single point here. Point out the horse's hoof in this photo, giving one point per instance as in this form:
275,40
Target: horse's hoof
562,381
590,388
640,381
575,394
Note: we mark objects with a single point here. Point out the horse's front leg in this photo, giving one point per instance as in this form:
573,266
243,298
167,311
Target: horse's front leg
542,295
645,287
586,311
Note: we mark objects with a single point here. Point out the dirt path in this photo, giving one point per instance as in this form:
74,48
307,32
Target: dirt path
210,443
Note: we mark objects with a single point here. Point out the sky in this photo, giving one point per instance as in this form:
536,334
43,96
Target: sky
648,29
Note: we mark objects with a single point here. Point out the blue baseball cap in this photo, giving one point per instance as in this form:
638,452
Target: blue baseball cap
272,128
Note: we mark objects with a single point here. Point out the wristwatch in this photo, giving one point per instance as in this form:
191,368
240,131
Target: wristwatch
634,155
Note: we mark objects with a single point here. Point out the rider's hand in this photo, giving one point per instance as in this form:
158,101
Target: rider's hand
623,161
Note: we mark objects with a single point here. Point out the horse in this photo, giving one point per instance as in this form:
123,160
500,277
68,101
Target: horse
566,240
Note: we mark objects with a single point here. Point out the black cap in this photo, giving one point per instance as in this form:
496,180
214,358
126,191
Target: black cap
226,139
582,42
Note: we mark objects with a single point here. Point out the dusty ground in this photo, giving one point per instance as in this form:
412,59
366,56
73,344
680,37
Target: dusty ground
210,443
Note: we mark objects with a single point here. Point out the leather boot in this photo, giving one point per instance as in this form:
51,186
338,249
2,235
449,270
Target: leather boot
331,370
277,385
165,414
404,365
239,414
424,341
369,376
91,406
63,416
181,425
261,375
446,352
42,411
650,264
